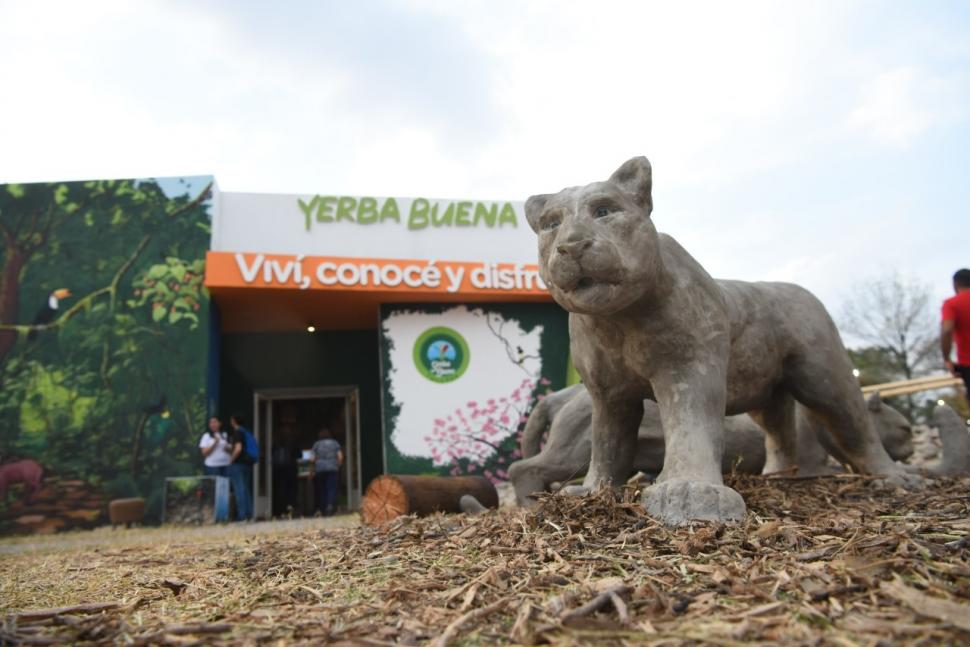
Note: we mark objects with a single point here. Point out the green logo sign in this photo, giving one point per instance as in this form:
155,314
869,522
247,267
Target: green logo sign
441,354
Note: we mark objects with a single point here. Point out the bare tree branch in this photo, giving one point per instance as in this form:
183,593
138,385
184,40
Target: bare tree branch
196,201
893,314
88,299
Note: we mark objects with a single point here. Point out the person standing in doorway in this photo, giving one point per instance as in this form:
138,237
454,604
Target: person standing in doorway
245,454
328,457
216,449
956,327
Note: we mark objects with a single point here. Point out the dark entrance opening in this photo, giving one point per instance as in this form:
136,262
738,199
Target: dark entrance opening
296,425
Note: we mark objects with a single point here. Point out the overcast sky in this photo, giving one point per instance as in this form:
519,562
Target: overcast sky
815,142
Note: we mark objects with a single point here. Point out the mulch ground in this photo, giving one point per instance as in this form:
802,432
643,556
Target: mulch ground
824,561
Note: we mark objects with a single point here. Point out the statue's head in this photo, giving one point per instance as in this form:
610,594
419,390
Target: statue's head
598,249
894,428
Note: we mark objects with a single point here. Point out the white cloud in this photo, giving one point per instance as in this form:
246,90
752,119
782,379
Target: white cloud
744,109
899,105
565,92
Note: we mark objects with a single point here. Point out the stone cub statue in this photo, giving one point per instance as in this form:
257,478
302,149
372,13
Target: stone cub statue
647,322
956,443
564,418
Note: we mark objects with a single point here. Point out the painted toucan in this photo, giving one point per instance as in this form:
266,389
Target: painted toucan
160,408
46,314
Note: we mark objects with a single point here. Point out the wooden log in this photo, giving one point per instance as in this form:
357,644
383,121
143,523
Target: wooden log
126,511
391,496
30,519
48,527
89,514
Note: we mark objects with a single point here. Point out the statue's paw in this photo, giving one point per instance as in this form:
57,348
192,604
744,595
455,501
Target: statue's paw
527,502
575,490
901,477
470,505
779,468
679,501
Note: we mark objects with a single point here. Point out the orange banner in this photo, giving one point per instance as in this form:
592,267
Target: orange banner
287,271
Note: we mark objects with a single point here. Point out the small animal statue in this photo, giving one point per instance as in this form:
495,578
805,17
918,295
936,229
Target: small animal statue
544,413
565,416
956,443
647,322
26,471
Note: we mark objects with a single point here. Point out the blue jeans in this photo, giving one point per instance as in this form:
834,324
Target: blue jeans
222,503
240,477
325,492
222,470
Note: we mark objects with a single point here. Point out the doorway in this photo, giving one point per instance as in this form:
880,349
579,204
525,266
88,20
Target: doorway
286,424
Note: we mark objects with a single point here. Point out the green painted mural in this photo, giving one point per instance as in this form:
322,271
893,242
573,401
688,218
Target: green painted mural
103,345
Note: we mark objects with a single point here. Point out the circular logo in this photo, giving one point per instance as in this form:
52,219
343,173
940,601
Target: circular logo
441,354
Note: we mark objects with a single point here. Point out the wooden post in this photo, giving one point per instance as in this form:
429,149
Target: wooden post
391,496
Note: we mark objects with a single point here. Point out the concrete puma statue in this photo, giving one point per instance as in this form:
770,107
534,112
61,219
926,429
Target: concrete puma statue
647,322
565,416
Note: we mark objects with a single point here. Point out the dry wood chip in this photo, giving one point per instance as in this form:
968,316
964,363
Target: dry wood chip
520,630
77,609
452,629
805,567
611,595
173,585
952,612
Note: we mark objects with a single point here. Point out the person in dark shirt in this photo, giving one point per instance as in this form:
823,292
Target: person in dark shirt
241,470
328,457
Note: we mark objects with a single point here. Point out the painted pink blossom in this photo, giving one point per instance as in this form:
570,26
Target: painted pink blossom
477,436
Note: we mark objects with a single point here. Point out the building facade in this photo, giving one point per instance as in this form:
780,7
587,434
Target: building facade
417,330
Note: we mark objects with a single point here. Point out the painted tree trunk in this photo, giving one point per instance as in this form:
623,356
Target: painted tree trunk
9,297
391,496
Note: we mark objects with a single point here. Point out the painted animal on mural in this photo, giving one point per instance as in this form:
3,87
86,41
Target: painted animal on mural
564,418
27,472
648,322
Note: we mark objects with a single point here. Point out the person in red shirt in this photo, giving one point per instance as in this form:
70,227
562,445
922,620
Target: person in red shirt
956,327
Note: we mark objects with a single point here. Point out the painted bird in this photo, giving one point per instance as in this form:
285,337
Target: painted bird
161,407
46,314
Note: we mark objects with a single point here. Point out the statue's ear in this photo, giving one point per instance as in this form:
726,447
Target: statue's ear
636,178
874,402
533,209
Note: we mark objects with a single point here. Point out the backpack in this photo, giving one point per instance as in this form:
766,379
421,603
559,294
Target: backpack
250,453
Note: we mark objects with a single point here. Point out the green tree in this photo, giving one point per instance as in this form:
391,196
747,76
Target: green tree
876,365
103,388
